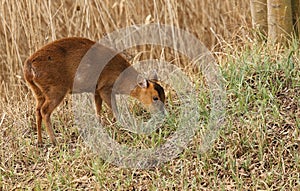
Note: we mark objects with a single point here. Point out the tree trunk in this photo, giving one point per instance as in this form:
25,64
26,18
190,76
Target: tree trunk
296,16
259,16
280,22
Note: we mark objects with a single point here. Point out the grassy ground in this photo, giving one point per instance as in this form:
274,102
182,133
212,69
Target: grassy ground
257,149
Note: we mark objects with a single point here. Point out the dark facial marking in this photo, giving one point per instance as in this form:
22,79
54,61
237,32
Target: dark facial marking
160,91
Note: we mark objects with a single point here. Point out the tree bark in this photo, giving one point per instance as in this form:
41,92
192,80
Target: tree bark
296,16
259,16
280,22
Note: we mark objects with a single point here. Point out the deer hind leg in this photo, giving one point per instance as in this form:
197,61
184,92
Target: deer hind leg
53,99
40,102
40,99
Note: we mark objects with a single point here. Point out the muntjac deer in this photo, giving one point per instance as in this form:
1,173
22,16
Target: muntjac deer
52,71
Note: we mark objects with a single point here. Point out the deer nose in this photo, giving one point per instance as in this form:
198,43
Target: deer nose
164,111
159,107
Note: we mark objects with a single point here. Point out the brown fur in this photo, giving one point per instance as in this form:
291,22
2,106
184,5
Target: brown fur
50,73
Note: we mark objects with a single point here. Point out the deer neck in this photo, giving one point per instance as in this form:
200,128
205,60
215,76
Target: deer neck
127,82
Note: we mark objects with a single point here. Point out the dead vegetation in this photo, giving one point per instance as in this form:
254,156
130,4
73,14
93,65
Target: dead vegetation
257,149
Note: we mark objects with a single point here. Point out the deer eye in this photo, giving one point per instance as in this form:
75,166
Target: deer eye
155,98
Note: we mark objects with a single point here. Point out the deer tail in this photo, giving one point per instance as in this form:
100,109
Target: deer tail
28,71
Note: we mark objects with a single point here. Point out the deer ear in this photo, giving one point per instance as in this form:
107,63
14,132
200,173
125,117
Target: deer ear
141,81
153,76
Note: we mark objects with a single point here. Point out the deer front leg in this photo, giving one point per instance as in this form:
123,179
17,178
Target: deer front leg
98,103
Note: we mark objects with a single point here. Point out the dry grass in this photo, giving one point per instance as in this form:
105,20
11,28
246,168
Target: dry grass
258,149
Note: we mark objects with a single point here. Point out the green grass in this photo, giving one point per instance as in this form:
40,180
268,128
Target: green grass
257,149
